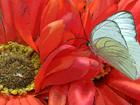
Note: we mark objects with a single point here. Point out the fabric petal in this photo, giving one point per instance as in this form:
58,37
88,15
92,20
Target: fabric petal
58,95
81,93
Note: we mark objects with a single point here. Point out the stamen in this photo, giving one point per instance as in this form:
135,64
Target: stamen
18,67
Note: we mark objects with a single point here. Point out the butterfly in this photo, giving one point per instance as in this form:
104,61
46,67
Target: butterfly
114,41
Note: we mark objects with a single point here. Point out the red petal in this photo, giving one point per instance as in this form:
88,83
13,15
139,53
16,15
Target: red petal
78,4
126,5
23,100
73,24
62,63
124,85
137,103
81,93
98,7
7,23
53,11
58,95
136,13
51,37
94,70
14,100
73,18
65,49
2,32
102,11
3,100
29,100
33,100
23,21
35,8
81,24
110,97
76,71
99,100
25,14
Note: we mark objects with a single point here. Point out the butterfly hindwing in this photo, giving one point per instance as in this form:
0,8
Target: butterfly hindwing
116,55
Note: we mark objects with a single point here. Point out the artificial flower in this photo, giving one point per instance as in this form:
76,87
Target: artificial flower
79,77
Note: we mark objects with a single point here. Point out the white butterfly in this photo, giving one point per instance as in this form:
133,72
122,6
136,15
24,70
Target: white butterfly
114,41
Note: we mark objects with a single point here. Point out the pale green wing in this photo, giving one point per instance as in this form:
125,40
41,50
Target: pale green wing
108,29
114,40
116,54
125,21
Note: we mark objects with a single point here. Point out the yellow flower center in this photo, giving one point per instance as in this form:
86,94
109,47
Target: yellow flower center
18,67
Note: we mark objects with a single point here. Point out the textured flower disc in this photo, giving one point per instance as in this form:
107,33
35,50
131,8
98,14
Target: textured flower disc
18,67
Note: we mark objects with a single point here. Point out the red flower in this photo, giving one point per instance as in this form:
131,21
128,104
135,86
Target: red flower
68,71
19,23
22,23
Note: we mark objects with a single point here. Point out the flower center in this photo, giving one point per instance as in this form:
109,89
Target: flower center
105,70
18,67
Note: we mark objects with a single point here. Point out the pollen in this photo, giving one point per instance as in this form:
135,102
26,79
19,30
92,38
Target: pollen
18,67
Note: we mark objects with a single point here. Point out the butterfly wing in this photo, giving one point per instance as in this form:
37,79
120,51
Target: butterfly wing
126,23
114,40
